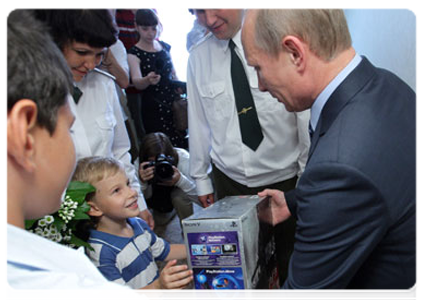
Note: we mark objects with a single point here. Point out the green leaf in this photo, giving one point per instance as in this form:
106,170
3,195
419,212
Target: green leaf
78,190
80,215
78,242
58,222
30,223
84,207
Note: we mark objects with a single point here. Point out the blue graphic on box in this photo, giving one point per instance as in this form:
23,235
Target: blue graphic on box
214,249
218,278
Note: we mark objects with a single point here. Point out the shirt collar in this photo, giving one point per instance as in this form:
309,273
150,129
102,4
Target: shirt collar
117,241
237,40
323,97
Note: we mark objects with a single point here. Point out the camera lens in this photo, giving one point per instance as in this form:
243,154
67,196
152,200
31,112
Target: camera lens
164,169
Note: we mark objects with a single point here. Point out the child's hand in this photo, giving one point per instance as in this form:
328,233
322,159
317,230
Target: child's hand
146,174
175,277
153,78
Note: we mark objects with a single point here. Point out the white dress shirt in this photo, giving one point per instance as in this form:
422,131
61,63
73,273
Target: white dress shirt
34,262
119,52
99,128
214,133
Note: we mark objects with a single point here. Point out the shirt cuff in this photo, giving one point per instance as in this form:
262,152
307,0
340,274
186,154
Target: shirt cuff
204,187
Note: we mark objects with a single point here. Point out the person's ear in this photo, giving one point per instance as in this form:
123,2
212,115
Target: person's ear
21,125
94,211
296,50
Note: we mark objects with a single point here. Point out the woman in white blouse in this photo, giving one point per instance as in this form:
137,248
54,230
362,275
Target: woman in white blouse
99,129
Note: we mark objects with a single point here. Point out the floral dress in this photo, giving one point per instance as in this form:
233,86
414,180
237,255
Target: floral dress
157,99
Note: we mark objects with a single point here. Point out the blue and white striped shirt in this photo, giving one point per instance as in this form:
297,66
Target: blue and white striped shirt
128,261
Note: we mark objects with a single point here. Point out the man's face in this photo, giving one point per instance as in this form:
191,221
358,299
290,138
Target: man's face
223,23
82,58
55,160
275,73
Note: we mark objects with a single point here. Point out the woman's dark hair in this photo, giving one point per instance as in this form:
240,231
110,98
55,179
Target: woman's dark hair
157,143
146,17
94,27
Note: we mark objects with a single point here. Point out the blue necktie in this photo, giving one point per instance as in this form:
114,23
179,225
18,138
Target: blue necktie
310,130
249,123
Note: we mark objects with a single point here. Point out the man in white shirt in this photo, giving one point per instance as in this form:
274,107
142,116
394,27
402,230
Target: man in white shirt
215,138
40,160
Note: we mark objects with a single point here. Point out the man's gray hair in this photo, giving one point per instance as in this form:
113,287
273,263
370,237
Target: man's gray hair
325,31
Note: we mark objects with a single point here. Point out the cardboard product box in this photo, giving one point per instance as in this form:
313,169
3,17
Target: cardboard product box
231,245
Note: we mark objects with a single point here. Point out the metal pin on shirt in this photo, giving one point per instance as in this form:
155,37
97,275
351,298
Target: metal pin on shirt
245,110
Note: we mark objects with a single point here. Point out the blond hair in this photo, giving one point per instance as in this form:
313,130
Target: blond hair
324,30
94,169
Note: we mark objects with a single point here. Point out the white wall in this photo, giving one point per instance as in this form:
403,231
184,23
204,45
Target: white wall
387,37
177,22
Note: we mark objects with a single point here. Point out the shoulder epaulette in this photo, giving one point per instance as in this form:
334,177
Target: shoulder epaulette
200,41
104,73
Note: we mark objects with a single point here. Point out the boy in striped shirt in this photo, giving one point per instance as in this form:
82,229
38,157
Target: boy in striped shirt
125,249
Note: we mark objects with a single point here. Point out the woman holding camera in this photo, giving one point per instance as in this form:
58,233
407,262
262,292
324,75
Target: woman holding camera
164,176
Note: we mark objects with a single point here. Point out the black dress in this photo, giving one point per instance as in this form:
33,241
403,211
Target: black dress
157,99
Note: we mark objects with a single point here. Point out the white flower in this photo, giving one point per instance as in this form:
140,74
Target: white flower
58,237
53,230
49,219
42,222
45,233
67,238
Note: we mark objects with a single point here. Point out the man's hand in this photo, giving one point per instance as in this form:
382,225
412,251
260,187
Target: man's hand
147,217
278,206
206,200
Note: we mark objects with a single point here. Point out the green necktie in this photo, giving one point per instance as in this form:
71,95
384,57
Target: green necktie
77,93
248,120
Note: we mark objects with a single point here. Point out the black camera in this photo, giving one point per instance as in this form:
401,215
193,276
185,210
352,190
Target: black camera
163,168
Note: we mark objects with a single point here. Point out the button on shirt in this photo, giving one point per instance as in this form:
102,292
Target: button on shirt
99,128
214,133
37,263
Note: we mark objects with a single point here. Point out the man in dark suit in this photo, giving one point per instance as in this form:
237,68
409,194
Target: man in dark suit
355,202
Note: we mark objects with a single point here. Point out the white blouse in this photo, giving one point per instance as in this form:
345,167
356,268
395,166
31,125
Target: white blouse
99,128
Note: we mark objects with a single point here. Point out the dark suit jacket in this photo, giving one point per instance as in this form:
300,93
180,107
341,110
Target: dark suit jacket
355,202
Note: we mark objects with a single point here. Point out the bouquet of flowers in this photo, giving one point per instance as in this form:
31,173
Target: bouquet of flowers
60,226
